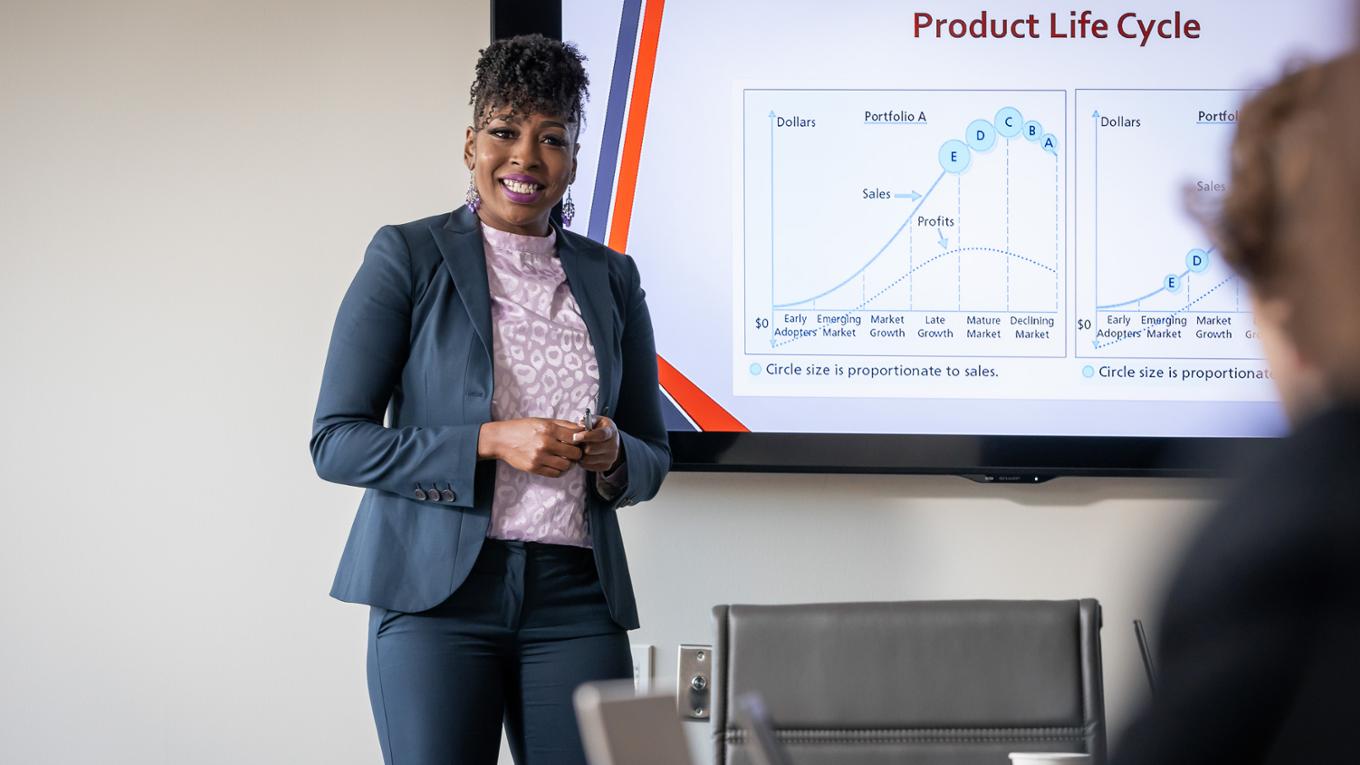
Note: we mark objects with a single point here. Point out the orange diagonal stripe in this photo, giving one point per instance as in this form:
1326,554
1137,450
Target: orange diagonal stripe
704,411
637,122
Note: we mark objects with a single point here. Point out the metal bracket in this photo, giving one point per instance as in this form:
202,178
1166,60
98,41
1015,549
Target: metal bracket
694,680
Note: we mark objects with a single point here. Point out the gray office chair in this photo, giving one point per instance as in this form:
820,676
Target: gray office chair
958,682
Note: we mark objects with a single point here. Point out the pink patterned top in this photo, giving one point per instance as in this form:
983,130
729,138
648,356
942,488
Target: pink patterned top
544,366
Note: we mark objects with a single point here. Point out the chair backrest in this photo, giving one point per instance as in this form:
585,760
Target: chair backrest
959,682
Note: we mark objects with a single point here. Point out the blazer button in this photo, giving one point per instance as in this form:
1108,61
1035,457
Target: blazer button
447,495
420,493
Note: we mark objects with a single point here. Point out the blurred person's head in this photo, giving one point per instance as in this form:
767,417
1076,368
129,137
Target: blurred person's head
1290,225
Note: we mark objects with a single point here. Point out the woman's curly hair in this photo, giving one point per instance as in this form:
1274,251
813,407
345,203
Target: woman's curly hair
530,74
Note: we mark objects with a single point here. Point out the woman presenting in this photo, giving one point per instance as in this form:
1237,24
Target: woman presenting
516,366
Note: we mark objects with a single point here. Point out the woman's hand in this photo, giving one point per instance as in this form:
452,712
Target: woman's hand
601,445
532,444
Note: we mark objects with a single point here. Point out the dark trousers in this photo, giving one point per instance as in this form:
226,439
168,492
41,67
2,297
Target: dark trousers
513,642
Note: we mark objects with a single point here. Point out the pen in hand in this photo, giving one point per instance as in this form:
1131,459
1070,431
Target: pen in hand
599,443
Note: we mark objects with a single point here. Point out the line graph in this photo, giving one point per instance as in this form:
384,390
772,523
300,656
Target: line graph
1147,285
901,222
905,222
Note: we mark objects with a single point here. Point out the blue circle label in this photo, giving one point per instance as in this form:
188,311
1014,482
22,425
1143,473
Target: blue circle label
1197,260
1009,122
981,135
955,156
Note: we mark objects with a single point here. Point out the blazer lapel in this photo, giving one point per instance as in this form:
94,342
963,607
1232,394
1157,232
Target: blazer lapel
588,276
460,242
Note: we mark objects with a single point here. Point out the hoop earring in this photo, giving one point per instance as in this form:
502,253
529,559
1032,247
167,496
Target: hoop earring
474,200
568,209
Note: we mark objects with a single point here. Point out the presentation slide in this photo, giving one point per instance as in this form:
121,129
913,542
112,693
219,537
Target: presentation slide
917,218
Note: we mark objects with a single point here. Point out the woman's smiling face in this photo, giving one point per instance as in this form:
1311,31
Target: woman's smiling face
522,165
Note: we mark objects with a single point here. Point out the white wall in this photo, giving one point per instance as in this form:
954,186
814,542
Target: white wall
185,191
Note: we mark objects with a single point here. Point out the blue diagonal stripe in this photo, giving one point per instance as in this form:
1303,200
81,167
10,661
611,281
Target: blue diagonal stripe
613,119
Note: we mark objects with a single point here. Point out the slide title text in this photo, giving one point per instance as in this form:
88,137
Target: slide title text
1077,25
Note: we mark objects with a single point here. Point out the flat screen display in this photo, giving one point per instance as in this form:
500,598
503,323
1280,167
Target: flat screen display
935,218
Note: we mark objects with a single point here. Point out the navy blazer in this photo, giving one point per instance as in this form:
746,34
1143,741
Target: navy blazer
413,338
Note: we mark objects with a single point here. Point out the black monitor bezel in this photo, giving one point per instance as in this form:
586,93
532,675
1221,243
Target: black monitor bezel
988,458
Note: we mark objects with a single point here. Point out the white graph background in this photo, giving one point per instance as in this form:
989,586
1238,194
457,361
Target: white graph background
992,239
1134,225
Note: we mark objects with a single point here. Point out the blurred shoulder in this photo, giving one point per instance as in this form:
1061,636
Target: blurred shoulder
1312,470
1291,524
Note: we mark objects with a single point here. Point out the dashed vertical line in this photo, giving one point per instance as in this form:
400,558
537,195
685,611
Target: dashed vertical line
911,279
1056,301
958,242
1008,222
